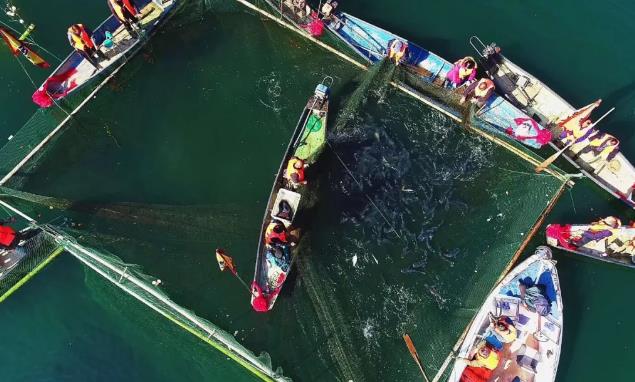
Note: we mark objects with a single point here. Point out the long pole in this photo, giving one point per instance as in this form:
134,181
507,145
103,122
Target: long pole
413,352
555,156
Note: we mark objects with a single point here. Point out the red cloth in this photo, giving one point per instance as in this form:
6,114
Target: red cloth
85,37
562,233
43,98
260,302
544,136
316,28
475,374
7,235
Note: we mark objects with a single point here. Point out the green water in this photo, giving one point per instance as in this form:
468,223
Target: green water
211,133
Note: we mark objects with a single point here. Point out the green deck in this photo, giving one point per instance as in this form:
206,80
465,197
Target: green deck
312,140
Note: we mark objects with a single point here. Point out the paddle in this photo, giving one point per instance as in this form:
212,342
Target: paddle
413,352
555,156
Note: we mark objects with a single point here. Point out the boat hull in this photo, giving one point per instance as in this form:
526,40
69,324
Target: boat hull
534,353
274,262
371,43
604,248
616,176
75,71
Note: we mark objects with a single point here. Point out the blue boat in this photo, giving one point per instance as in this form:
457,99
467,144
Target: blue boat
371,43
75,71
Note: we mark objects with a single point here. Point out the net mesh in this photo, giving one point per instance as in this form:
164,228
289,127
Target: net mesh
145,289
391,254
19,264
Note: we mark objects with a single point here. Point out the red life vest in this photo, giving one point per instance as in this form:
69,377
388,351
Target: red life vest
291,169
270,234
130,7
7,235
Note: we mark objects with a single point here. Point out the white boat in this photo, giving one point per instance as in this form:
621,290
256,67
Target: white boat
528,304
614,173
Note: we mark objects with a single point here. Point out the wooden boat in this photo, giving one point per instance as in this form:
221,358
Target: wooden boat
274,260
614,173
606,242
75,71
371,43
527,345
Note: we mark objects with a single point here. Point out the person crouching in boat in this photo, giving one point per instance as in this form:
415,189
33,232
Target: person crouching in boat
603,146
276,233
479,92
504,329
481,366
619,248
295,172
463,72
397,51
602,229
80,39
126,12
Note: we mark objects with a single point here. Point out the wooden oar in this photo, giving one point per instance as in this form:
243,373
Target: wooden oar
555,156
413,352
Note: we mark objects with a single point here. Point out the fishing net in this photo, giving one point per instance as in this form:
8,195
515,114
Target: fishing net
415,219
145,289
19,264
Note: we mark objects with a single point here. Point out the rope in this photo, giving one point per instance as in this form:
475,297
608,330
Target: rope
404,89
25,71
361,188
32,41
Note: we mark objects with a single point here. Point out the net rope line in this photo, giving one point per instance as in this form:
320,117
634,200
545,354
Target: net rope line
46,139
88,258
405,89
532,232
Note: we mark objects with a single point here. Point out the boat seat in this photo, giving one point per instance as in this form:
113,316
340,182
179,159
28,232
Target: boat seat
292,199
528,358
507,306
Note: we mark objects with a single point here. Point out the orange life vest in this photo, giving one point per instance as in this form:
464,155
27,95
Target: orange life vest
292,170
80,40
483,92
119,10
270,234
7,235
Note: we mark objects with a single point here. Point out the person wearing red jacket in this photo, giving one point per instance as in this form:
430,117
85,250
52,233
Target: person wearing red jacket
126,12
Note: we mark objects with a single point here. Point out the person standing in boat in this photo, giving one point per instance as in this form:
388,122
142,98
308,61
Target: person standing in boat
295,172
126,12
479,92
463,72
80,39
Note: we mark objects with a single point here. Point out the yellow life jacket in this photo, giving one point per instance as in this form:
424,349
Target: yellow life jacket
292,170
465,72
483,92
76,39
118,10
490,362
